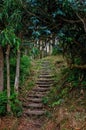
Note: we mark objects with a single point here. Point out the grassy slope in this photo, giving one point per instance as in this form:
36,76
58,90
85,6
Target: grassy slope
67,108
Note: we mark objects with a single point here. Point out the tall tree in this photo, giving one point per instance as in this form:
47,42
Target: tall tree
1,69
8,77
16,84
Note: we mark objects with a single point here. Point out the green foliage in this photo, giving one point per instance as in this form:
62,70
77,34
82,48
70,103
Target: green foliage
3,103
66,17
77,78
11,11
16,105
73,74
35,52
56,50
8,36
45,100
48,114
58,102
77,61
56,96
12,71
83,83
24,67
62,18
30,85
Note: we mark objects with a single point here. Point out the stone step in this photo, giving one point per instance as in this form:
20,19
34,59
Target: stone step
44,72
45,80
44,83
35,112
36,100
25,105
41,89
45,66
45,62
46,76
47,69
35,105
37,92
37,95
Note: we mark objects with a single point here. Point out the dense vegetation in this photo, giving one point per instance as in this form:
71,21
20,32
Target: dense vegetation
34,21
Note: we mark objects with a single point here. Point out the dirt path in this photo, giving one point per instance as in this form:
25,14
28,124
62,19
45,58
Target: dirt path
34,110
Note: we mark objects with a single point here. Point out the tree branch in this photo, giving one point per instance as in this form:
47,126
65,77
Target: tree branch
33,14
78,66
70,21
82,20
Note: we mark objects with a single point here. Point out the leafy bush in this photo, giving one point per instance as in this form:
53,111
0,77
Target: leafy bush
25,65
3,103
24,68
35,52
56,50
45,100
16,105
24,72
74,79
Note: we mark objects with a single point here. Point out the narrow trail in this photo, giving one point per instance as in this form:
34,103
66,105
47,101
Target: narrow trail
34,109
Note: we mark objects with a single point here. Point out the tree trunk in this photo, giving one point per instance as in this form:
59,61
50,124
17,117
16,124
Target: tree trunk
1,70
8,78
50,48
26,51
40,49
16,84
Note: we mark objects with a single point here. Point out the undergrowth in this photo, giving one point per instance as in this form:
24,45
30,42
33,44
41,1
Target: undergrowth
72,83
15,104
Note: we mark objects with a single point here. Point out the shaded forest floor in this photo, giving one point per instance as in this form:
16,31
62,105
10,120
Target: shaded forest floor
66,110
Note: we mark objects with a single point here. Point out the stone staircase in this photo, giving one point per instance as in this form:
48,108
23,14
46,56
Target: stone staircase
34,105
